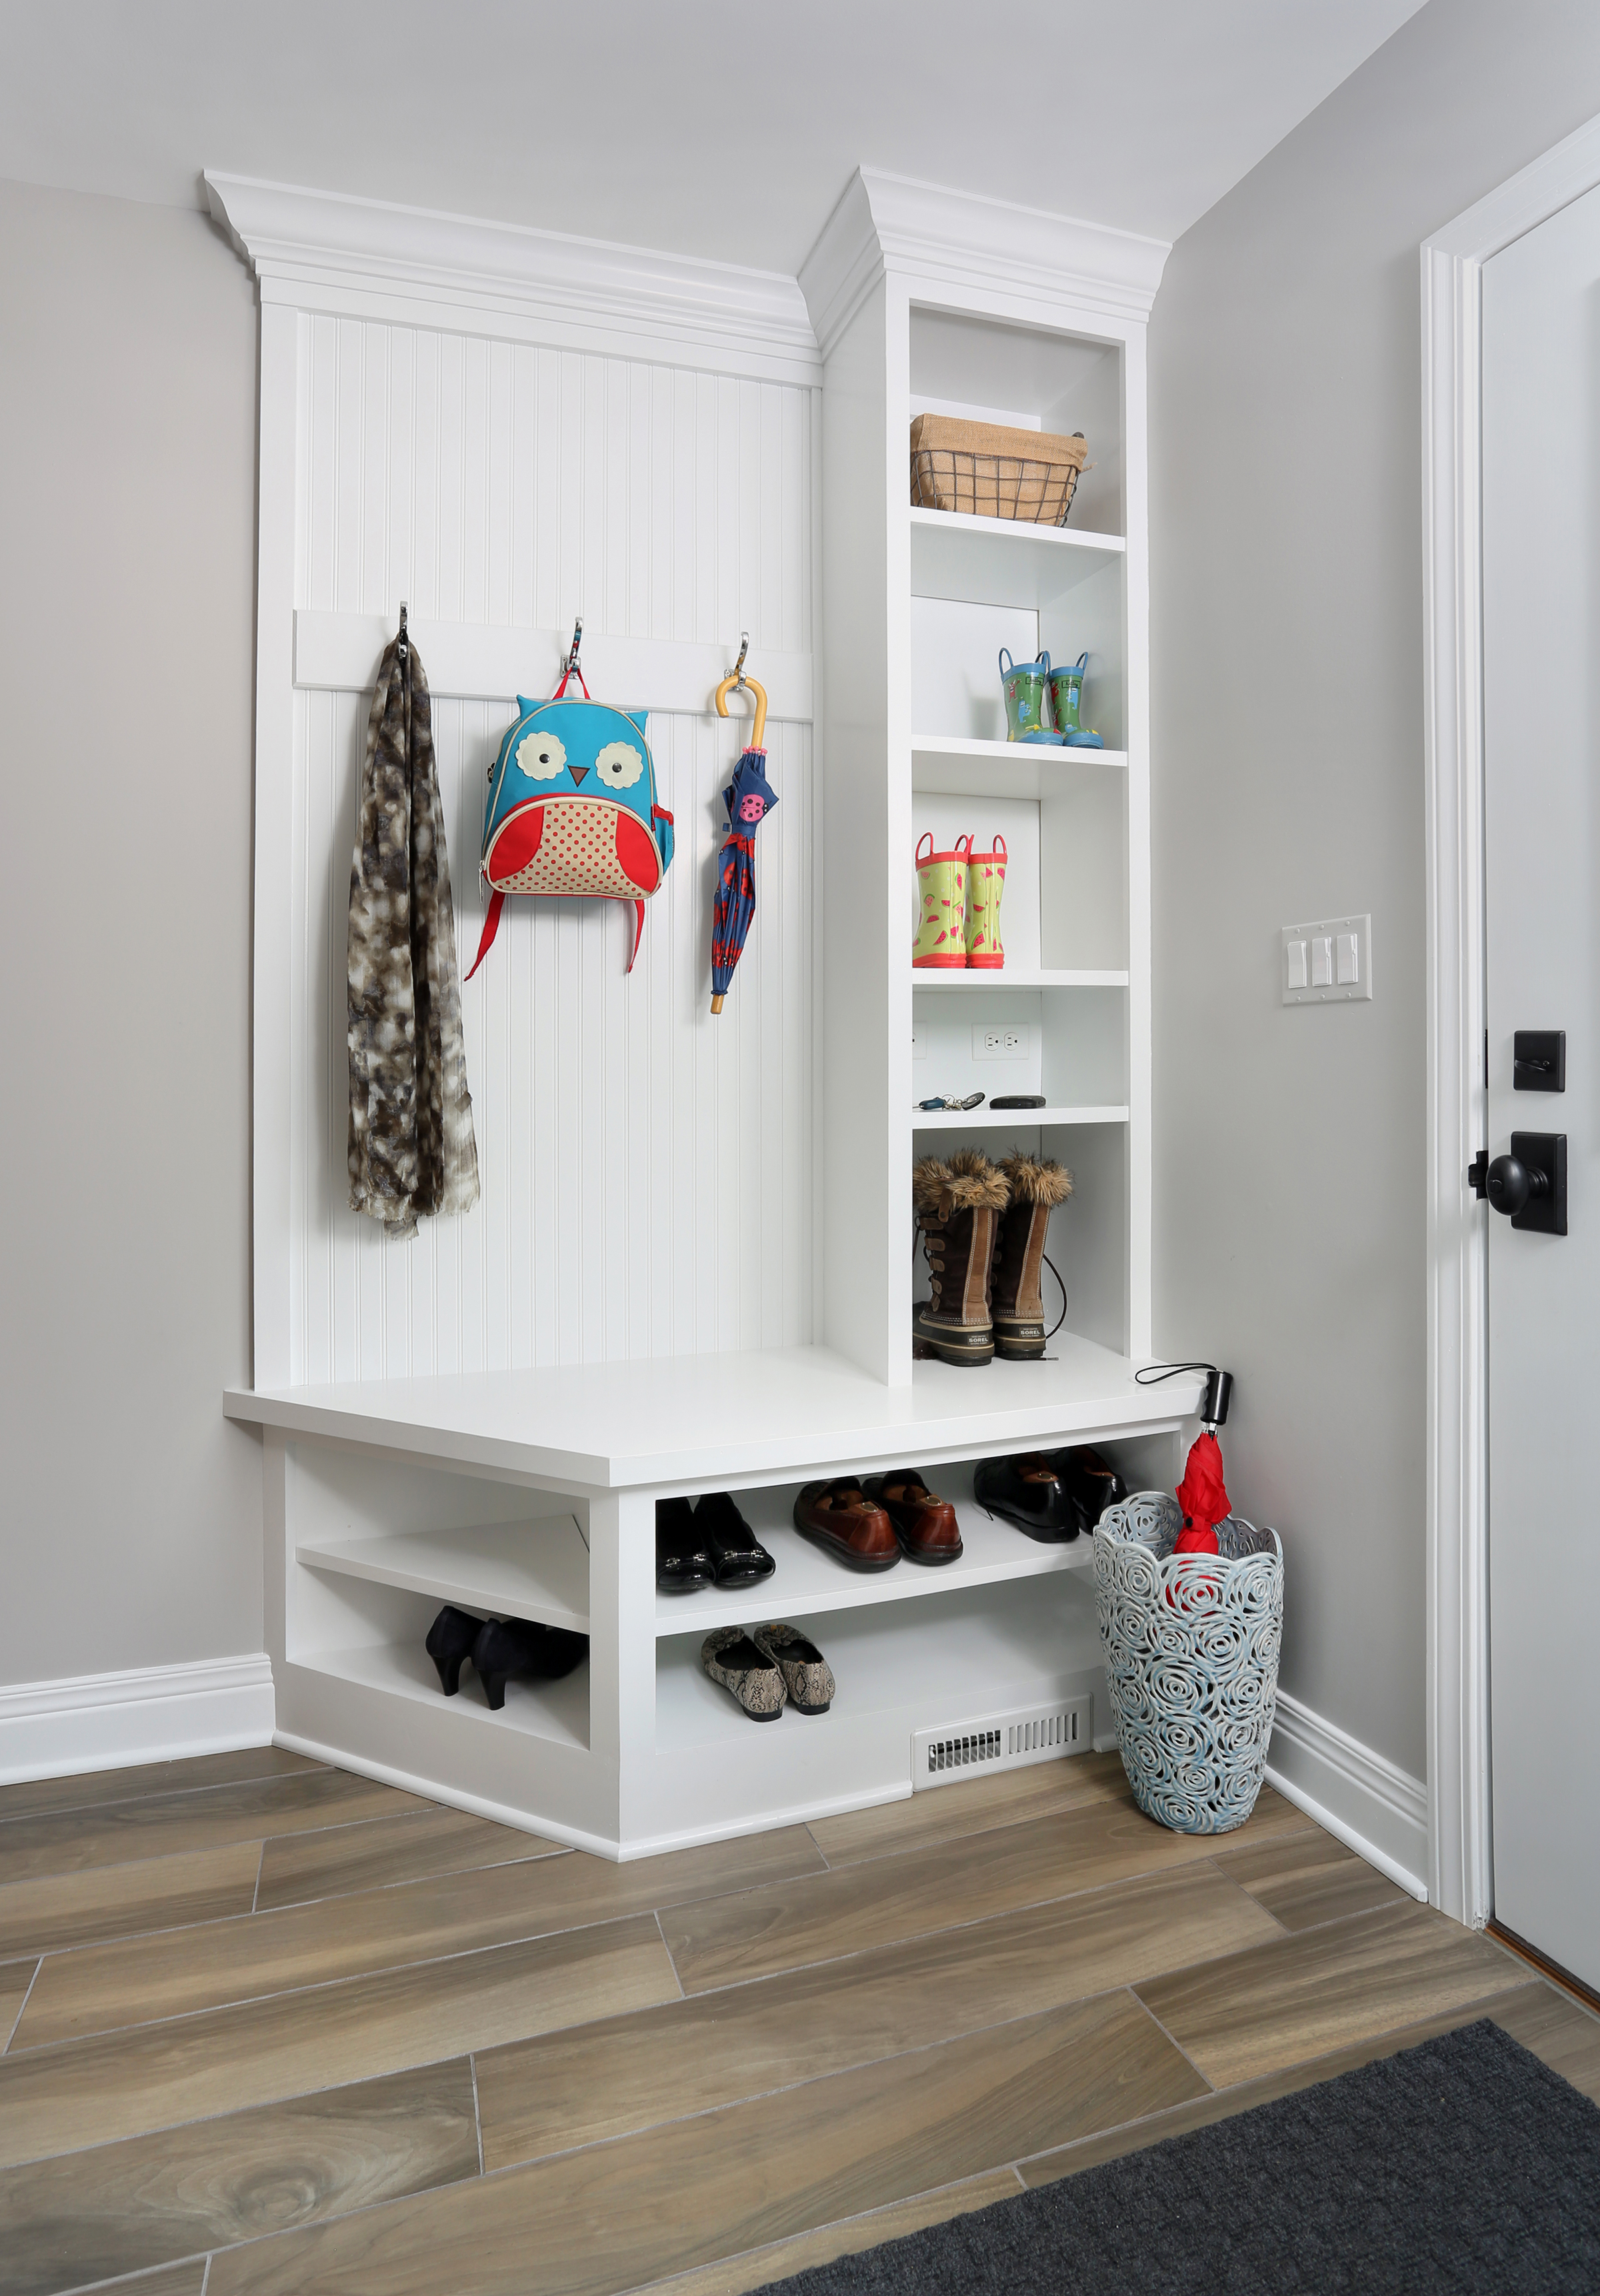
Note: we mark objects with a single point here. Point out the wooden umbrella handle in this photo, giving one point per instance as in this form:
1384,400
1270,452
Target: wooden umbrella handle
758,733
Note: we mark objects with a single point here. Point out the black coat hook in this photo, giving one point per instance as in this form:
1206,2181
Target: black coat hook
403,643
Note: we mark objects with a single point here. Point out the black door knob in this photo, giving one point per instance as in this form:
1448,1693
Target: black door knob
1510,1184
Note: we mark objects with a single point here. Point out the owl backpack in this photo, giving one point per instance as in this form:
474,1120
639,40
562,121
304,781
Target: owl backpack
572,810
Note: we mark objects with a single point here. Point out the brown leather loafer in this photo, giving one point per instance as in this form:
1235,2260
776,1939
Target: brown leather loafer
838,1518
926,1526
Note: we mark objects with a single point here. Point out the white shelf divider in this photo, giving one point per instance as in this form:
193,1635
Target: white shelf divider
537,1570
1010,976
1002,561
952,765
968,1119
807,1581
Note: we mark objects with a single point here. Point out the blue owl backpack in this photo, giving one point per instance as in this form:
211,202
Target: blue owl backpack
572,810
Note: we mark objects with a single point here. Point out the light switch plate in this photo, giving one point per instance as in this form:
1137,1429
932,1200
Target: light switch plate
1297,970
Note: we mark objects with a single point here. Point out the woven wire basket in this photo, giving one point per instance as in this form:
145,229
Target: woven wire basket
1190,1643
993,486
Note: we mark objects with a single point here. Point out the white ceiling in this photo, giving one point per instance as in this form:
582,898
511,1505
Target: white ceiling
713,129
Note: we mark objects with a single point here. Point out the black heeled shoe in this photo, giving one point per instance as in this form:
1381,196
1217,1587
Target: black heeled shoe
517,1650
450,1641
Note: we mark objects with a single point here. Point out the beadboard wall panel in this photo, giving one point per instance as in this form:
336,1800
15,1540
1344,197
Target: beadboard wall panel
499,482
647,1169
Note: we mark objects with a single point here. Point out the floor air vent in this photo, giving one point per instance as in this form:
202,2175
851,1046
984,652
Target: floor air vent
1002,1741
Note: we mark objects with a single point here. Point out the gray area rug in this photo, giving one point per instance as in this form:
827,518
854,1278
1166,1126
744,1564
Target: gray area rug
1464,2165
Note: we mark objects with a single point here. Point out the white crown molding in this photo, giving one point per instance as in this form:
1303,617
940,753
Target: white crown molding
927,233
326,252
150,1714
1365,1800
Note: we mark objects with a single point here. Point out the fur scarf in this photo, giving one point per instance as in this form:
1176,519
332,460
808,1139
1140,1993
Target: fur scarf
411,1148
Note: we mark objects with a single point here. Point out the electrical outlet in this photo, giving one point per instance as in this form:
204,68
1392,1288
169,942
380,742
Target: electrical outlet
1001,1040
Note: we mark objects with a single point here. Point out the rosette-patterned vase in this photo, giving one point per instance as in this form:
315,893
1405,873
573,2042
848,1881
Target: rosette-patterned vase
1190,1643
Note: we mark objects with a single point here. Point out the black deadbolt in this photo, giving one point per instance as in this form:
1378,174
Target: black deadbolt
1529,1184
1538,1059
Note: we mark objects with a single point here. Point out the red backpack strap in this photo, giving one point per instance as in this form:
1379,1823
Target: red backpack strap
574,672
638,932
491,927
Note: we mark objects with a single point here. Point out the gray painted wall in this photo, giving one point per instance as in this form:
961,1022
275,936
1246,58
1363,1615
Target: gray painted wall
1286,642
130,1513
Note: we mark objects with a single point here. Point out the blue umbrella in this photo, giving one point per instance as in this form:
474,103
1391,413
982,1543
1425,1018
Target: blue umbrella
748,799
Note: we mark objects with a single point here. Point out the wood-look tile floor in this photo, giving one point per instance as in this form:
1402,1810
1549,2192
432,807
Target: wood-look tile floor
269,2027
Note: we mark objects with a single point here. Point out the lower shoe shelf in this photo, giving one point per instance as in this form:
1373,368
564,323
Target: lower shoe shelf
555,1711
955,1659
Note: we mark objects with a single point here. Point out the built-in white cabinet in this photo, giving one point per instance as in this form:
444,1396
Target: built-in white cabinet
693,1264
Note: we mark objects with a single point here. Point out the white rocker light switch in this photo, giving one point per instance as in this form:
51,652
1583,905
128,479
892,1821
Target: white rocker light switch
1328,963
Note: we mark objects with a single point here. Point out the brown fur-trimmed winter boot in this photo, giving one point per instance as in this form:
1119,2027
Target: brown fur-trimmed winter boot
959,1206
1037,1184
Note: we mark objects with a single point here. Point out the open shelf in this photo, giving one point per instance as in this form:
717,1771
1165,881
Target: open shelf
961,1655
972,977
558,1711
985,1119
954,765
810,1581
518,1569
1002,561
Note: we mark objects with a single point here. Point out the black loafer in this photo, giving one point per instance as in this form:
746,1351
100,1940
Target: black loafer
1092,1483
683,1562
1028,1492
738,1557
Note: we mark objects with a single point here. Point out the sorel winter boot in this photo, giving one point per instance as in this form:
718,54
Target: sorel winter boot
1036,1186
959,1206
941,916
985,882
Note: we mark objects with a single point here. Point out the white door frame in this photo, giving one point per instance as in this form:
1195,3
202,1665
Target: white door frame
1460,1840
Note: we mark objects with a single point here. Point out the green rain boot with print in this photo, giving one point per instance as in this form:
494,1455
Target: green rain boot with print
941,917
985,882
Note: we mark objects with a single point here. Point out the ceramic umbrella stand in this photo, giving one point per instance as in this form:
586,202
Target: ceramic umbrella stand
1190,1643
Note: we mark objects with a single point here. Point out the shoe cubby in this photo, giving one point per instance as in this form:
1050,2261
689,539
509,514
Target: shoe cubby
367,1551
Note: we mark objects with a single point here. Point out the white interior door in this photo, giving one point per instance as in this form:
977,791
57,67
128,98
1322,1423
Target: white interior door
1541,495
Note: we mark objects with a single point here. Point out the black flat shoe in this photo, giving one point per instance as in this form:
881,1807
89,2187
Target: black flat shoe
1092,1483
737,1555
516,1650
449,1642
683,1558
1028,1492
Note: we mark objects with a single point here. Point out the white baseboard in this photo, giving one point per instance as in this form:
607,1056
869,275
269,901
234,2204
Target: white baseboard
152,1714
1377,1810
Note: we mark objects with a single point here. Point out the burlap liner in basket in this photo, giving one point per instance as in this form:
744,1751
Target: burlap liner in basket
990,471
